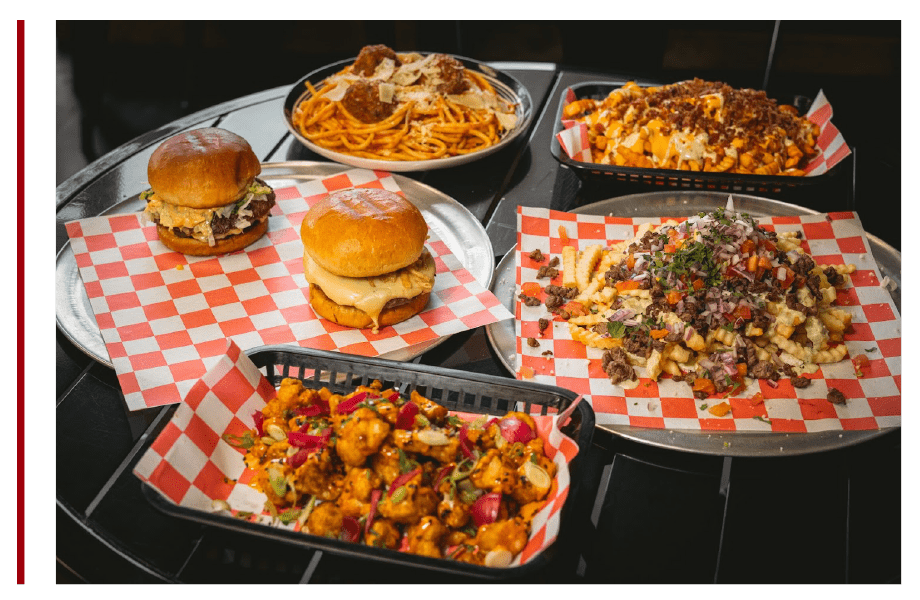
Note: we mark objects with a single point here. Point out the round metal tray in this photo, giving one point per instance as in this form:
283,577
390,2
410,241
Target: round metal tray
452,222
677,204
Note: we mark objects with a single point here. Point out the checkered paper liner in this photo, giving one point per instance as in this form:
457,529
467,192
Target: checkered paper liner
574,137
873,400
165,317
190,464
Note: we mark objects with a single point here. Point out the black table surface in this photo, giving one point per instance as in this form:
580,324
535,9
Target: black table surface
648,515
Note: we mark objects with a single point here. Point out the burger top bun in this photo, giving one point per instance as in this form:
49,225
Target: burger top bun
363,232
204,168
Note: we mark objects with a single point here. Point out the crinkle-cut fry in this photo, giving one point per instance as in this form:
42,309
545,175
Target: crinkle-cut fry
589,319
723,336
785,315
637,293
605,296
585,265
787,240
842,269
696,342
604,264
751,331
793,348
653,365
676,352
836,315
671,367
569,258
592,338
831,355
585,295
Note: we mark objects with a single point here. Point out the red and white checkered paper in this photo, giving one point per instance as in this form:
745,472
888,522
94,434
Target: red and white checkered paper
191,465
873,400
574,137
165,317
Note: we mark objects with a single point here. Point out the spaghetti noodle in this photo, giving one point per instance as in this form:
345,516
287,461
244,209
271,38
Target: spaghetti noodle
403,107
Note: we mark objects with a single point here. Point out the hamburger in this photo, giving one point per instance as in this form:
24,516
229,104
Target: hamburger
204,195
365,258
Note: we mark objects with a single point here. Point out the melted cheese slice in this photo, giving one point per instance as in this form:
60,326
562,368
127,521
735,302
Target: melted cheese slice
370,294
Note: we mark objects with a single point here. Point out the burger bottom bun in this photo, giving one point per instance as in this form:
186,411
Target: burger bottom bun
193,247
349,316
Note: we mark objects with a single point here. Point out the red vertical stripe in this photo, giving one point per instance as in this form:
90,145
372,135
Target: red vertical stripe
20,294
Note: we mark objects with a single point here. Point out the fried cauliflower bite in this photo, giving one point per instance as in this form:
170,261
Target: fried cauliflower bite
319,476
534,475
409,506
325,520
355,499
433,411
451,510
385,463
425,537
360,435
510,535
383,534
493,474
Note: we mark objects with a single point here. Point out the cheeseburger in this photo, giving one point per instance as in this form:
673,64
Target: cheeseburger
365,258
205,197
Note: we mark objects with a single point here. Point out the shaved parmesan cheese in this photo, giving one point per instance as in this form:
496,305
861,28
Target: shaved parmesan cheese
386,91
506,120
338,92
384,69
472,100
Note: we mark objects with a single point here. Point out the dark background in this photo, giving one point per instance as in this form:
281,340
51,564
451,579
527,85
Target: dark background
119,79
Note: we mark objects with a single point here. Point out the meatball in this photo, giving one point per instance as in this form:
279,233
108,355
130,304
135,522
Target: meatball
450,73
362,101
371,56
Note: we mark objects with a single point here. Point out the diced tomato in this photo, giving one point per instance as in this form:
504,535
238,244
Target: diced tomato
575,309
658,333
563,234
768,245
764,263
752,264
721,409
756,399
860,364
622,286
742,369
747,246
704,385
670,248
674,296
698,284
526,372
788,276
531,288
742,312
630,262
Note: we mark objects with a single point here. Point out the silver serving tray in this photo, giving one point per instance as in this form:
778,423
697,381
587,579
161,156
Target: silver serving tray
452,222
686,203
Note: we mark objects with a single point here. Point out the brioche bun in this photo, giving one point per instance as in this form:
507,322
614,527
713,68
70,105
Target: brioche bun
204,168
363,232
349,316
365,258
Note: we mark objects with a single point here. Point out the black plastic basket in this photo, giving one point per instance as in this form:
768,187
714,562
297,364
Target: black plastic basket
670,178
456,390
